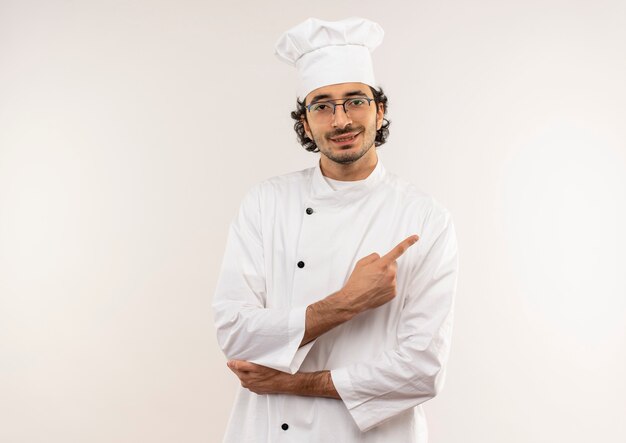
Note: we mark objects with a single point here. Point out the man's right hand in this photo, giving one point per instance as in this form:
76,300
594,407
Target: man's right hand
371,284
373,280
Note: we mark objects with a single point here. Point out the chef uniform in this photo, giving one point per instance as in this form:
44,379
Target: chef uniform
295,240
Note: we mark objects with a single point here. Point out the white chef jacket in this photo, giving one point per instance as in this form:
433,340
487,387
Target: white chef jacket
296,240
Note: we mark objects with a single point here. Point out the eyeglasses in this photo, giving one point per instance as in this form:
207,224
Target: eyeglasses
355,106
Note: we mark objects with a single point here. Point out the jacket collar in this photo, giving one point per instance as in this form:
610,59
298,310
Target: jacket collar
322,191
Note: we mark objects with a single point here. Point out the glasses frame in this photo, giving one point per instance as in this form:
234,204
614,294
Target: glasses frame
343,104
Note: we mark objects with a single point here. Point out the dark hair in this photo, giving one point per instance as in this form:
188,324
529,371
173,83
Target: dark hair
300,113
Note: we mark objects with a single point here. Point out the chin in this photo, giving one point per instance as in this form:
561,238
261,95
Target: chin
346,156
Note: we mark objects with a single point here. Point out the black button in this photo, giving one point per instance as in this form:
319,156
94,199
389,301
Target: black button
309,211
285,426
301,264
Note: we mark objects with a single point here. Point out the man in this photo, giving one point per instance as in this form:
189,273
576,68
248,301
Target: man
330,340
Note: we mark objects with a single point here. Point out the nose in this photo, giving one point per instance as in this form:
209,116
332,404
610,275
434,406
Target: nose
340,118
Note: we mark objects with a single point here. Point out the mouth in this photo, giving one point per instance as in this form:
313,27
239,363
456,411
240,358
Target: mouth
345,139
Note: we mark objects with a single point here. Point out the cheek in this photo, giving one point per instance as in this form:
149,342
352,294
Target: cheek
314,133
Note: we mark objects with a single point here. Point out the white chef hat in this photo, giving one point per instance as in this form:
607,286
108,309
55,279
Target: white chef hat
326,53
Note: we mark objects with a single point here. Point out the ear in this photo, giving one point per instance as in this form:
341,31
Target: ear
307,128
380,113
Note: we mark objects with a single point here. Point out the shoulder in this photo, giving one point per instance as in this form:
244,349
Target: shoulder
282,183
277,188
430,218
414,199
287,181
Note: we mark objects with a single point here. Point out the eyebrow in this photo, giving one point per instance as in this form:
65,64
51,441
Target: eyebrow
347,94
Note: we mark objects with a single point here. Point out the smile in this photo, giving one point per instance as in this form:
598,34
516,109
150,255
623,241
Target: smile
345,139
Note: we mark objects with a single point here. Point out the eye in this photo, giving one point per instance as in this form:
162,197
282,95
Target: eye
356,102
319,107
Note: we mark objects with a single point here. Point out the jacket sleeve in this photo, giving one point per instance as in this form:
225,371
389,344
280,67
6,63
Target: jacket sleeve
246,328
413,371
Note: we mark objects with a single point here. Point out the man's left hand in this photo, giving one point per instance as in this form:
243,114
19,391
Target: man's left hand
260,379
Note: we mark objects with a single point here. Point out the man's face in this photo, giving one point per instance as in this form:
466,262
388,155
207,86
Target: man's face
343,137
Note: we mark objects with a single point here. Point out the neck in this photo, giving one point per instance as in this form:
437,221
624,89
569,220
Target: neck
358,170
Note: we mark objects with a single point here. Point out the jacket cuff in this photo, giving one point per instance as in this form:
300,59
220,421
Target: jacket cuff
297,328
289,357
363,418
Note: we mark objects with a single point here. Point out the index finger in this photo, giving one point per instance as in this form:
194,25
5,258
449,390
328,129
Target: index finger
400,249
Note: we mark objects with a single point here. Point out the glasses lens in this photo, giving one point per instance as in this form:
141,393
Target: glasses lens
356,105
322,107
321,110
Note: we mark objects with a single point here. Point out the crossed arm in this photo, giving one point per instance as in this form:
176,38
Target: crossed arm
371,284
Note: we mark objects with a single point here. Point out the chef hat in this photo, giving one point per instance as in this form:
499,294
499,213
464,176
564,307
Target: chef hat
326,53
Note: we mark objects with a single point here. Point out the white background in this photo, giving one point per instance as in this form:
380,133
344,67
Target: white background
130,130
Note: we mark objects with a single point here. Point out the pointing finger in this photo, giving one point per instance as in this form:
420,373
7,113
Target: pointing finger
400,249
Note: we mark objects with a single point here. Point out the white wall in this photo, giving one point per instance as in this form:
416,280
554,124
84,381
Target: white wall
129,130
